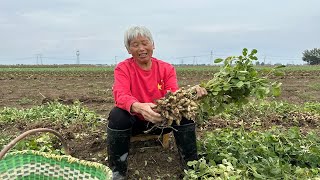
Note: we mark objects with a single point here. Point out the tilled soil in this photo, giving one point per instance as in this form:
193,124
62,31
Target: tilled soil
147,159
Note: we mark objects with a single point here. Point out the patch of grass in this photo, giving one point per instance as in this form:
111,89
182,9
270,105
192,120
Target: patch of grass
24,101
315,86
99,92
306,96
54,111
4,140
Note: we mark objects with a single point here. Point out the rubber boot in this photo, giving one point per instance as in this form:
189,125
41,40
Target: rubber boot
185,138
118,142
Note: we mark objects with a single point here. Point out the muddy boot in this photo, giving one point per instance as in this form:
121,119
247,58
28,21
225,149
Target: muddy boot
118,142
185,137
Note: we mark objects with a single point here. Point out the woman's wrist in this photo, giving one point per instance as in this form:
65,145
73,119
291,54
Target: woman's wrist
134,107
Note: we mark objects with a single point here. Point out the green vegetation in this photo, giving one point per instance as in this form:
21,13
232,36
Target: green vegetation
236,81
264,109
227,153
269,144
57,69
273,154
267,139
184,68
315,86
54,111
312,56
215,68
24,101
54,114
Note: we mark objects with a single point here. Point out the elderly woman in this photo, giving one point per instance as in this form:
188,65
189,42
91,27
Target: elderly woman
138,82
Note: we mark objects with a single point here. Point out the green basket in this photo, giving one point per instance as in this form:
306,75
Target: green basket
35,165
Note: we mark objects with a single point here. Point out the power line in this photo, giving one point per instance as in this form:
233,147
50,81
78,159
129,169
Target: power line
190,59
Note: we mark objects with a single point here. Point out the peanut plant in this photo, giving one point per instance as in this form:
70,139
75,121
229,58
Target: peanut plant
236,81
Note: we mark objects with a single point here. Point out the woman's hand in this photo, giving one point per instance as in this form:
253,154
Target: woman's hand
145,109
200,91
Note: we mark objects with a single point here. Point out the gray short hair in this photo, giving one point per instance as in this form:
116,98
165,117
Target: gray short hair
134,32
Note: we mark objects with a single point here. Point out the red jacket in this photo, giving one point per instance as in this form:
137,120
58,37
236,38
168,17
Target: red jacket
133,84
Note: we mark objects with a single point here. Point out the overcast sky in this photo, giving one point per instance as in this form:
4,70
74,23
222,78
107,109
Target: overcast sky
279,29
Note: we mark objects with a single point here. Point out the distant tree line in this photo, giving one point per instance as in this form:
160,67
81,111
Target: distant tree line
312,56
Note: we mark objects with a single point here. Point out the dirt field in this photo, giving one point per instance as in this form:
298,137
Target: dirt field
93,89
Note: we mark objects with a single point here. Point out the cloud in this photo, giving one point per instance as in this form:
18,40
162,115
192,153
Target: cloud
226,28
43,17
180,28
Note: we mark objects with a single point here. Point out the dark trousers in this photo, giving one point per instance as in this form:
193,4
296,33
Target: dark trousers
120,119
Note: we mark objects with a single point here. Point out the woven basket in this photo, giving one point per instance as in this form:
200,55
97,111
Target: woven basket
35,165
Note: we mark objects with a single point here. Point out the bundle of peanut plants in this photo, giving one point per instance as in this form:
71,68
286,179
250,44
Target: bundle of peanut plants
235,82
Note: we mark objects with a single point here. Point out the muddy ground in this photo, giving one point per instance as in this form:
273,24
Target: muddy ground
93,89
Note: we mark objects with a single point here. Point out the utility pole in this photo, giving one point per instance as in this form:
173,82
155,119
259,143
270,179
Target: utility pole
78,57
181,61
194,60
115,60
39,59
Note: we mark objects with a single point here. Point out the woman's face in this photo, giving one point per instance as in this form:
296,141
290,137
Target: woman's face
141,49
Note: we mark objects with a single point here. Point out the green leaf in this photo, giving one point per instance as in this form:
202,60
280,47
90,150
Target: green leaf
234,81
299,171
278,85
192,163
242,78
218,60
256,175
253,52
253,73
217,89
243,72
280,66
275,171
248,83
226,87
254,58
215,93
240,84
261,92
276,91
244,51
278,73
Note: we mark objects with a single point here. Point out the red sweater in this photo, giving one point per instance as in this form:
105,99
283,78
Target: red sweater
133,84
